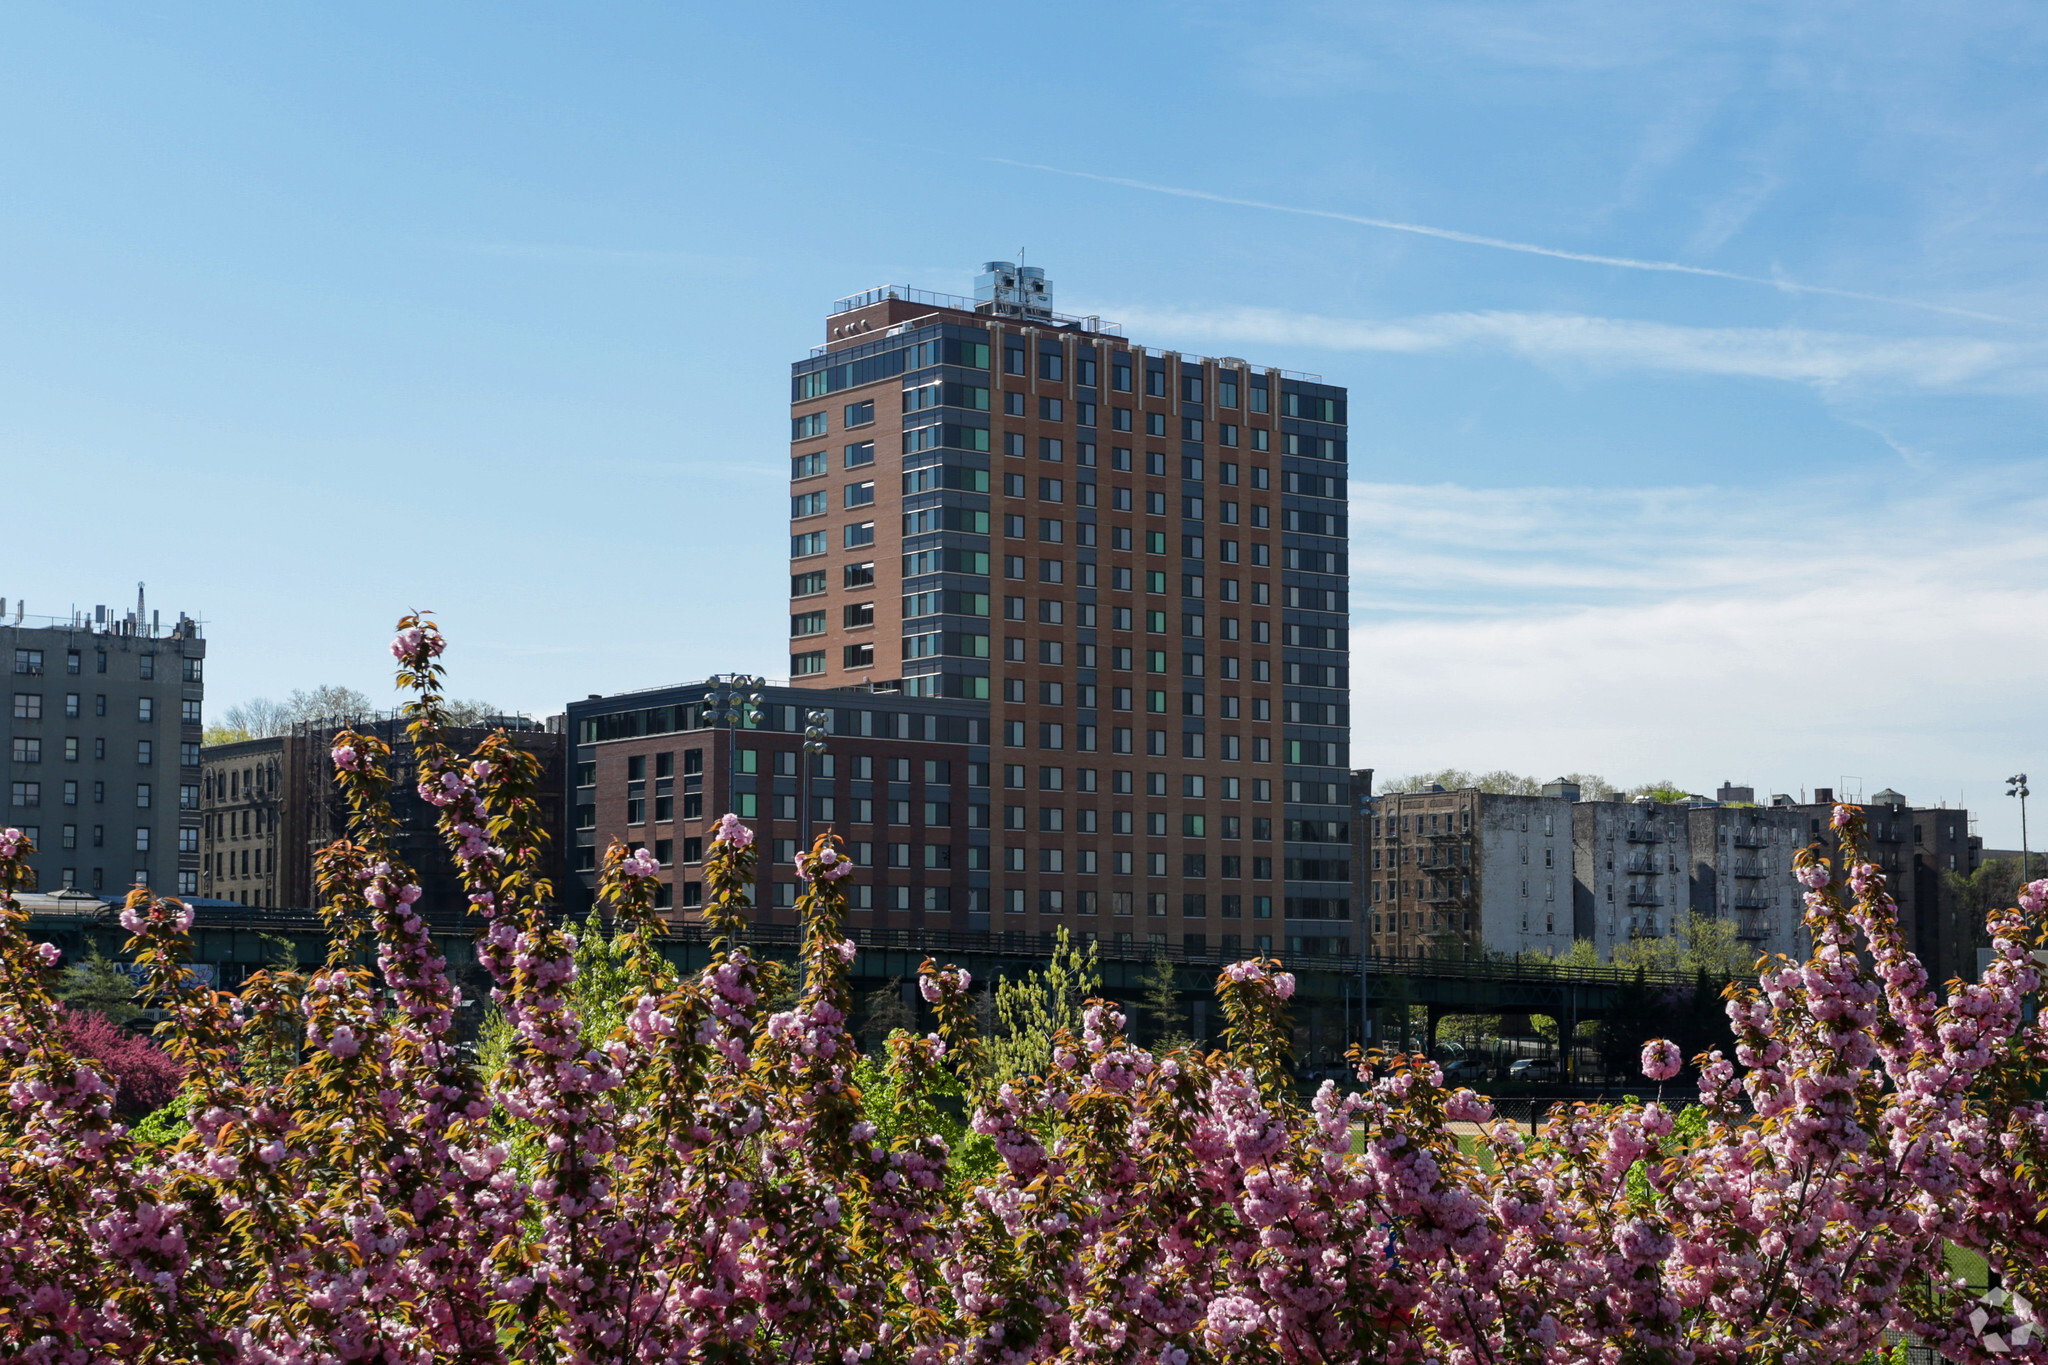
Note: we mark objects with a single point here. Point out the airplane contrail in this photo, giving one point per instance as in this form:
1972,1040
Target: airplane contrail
1504,244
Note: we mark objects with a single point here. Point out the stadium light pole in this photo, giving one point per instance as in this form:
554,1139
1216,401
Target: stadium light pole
2016,785
815,729
735,703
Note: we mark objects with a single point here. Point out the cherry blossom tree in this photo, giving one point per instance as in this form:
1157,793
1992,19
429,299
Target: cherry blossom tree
708,1181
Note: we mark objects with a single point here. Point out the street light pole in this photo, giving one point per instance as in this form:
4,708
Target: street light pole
2016,785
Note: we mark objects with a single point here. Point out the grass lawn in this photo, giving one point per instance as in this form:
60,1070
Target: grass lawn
1970,1266
1469,1144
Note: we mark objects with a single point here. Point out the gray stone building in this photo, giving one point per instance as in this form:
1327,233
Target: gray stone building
102,748
1470,873
1740,859
1630,865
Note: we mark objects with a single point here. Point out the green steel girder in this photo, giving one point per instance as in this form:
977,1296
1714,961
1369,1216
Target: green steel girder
1444,987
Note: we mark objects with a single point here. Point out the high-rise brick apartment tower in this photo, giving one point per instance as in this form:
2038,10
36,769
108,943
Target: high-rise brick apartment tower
1136,559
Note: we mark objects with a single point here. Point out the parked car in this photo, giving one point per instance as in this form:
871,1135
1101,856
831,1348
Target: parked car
1466,1071
1533,1069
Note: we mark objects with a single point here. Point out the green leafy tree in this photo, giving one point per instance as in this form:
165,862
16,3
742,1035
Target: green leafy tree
1582,953
1501,782
938,1108
1638,1015
162,1127
1993,886
881,1013
1159,1007
1030,1010
1664,790
1702,943
601,993
99,986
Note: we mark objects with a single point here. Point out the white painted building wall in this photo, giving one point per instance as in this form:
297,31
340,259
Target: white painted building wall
1525,873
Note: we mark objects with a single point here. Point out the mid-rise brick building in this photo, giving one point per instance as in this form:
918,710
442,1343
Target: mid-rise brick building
904,780
1463,874
1101,588
269,805
256,802
1134,559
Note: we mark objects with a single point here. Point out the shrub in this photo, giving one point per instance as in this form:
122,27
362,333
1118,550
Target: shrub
142,1074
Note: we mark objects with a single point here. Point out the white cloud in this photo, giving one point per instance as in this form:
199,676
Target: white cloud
1703,635
1828,360
1494,243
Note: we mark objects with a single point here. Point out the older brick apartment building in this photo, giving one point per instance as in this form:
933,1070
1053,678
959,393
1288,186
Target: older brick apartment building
1120,576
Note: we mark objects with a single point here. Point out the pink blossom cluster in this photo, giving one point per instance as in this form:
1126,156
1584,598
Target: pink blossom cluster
1282,983
826,866
417,643
722,1178
1660,1059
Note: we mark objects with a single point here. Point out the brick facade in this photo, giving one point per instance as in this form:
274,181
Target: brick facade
1137,561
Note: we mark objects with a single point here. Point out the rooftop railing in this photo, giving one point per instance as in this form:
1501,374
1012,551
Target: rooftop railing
884,293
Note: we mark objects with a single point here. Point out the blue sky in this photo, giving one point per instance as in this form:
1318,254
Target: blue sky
311,316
